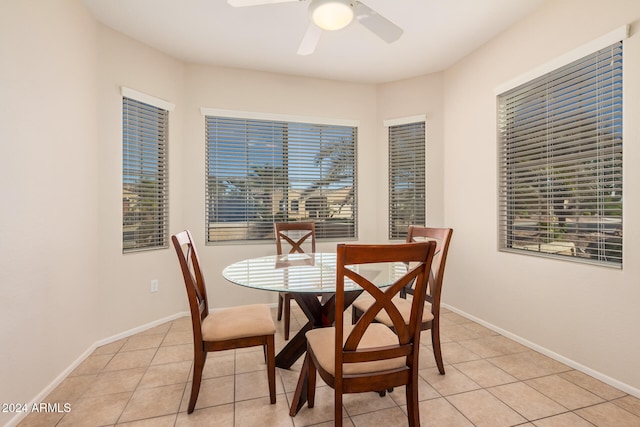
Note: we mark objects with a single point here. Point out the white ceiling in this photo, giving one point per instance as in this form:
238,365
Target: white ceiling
437,33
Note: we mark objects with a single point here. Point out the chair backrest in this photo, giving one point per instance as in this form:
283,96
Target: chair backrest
295,236
193,280
419,256
442,237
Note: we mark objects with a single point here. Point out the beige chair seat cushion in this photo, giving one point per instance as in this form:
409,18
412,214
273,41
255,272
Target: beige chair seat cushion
238,322
403,305
322,343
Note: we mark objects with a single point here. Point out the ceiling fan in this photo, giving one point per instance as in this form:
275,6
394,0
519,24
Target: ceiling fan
333,15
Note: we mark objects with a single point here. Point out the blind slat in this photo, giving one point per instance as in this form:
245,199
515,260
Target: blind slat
144,176
262,171
407,186
560,162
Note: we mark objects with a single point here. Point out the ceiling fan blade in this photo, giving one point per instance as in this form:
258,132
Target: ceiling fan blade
243,3
377,24
310,40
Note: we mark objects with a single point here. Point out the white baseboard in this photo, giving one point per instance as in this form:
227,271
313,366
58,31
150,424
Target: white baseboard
40,397
569,362
139,329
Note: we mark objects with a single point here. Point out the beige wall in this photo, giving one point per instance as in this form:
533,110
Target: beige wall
124,290
407,98
48,192
61,179
586,314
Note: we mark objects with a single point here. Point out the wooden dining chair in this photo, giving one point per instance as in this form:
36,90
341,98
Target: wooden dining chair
225,329
292,237
431,313
368,356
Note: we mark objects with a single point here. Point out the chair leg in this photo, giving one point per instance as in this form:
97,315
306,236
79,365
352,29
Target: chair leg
435,341
413,411
271,367
287,315
337,407
280,298
198,366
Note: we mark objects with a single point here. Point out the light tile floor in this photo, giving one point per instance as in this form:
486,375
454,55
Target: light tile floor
144,380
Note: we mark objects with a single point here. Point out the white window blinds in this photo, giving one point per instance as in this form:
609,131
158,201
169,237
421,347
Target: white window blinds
263,171
407,185
144,176
560,160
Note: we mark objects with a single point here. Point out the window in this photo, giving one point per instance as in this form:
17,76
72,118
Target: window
265,171
560,160
407,187
144,175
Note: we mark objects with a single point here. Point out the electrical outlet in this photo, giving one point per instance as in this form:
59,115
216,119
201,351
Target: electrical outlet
154,285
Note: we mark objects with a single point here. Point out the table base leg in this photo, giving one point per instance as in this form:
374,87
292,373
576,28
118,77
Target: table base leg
295,348
301,393
316,313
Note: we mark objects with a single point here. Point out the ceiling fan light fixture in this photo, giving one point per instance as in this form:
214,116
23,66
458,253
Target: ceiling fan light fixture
331,14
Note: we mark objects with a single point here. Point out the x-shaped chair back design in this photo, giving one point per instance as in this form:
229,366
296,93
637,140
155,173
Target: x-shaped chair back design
420,256
283,232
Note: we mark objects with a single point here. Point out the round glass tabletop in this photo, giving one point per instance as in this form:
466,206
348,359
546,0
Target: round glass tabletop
309,272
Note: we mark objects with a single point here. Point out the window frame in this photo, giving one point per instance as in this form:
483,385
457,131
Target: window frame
145,157
411,131
572,157
293,132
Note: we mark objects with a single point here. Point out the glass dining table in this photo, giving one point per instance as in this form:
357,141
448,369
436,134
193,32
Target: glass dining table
305,276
